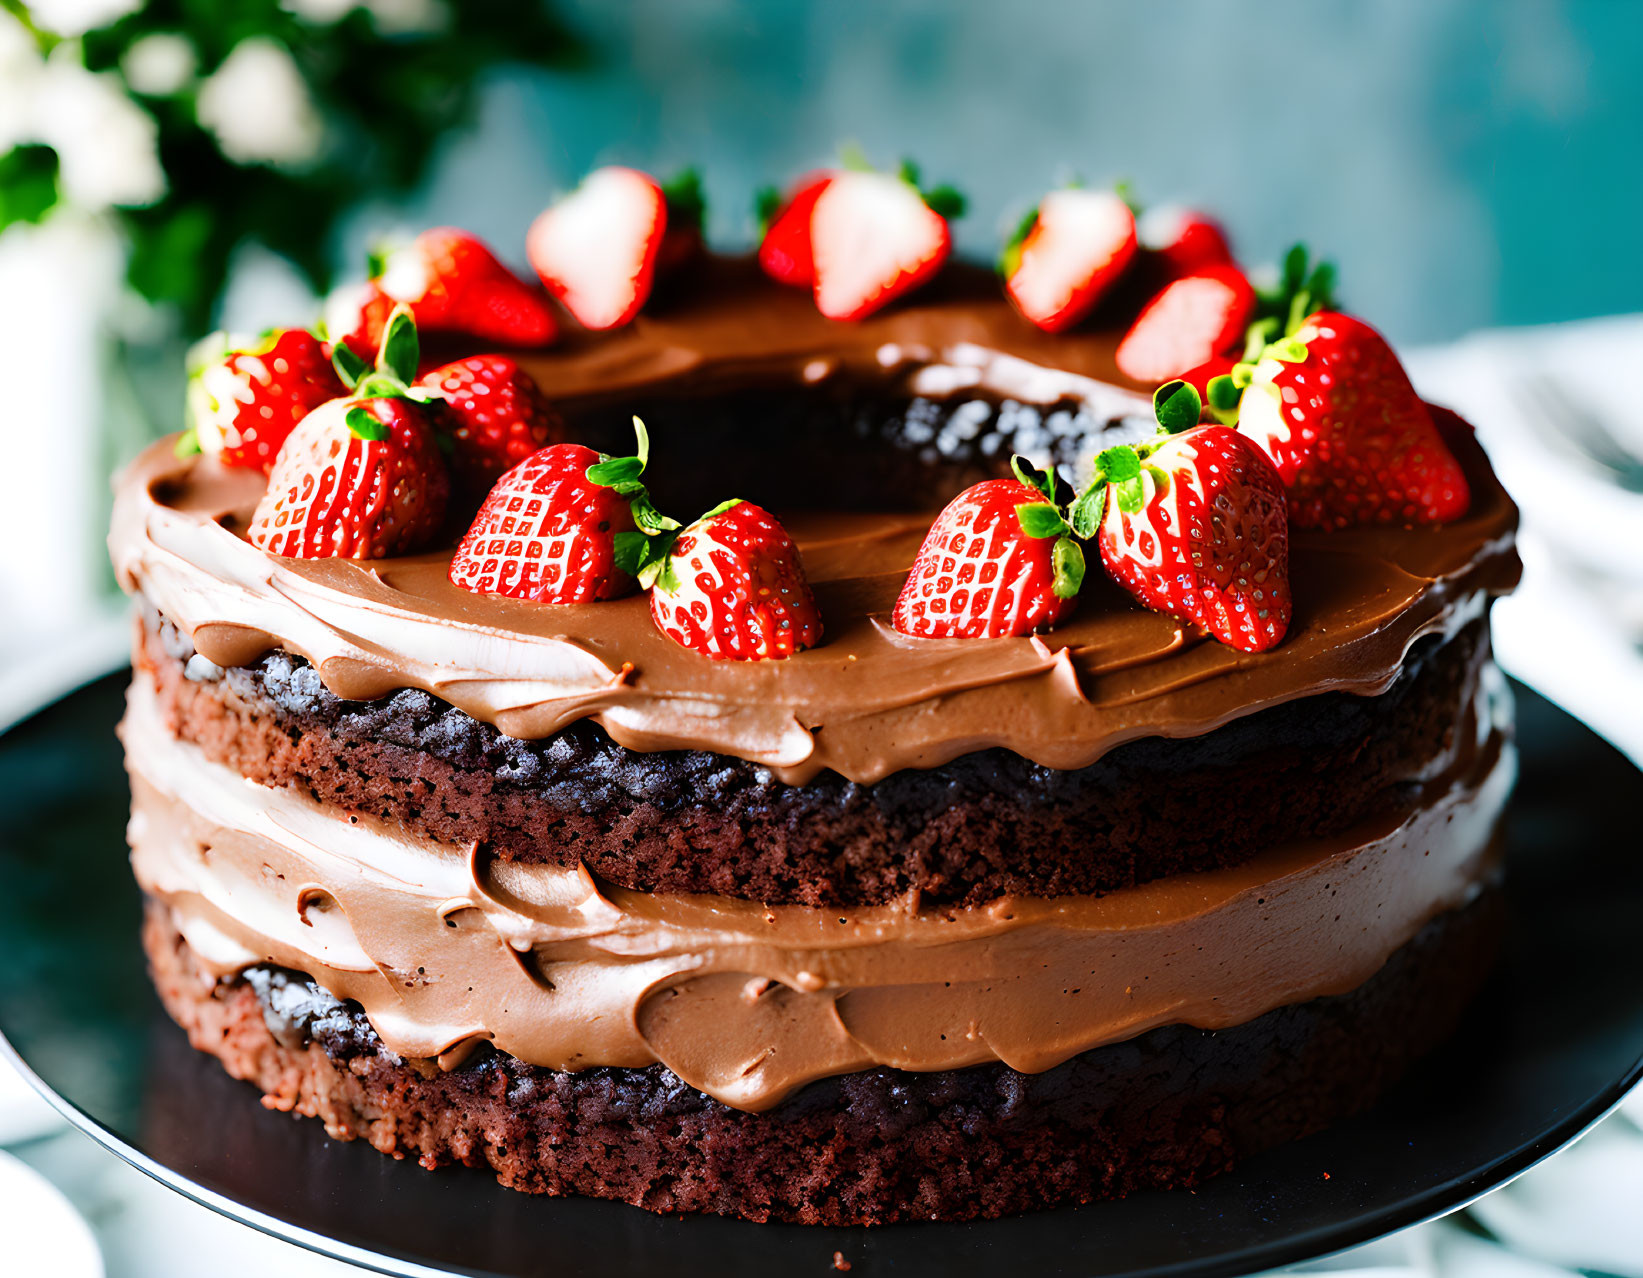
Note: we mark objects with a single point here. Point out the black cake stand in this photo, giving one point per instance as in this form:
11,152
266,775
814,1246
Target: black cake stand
1553,1045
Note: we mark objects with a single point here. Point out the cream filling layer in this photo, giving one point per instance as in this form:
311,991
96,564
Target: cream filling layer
445,947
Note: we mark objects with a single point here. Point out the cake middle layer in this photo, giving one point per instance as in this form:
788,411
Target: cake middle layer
445,947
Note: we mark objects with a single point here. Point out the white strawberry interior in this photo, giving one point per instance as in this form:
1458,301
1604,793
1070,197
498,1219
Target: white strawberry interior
1078,233
595,246
868,231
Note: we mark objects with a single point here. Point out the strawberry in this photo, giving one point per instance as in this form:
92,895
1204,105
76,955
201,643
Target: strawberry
596,249
1193,524
1183,241
454,284
876,236
496,416
1189,321
243,402
731,587
1333,408
357,479
784,250
997,561
1066,255
360,477
356,316
556,526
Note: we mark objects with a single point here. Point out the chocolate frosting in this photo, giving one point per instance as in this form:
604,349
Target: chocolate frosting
867,701
446,947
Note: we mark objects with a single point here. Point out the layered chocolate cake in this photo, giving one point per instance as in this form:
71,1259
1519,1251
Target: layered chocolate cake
877,925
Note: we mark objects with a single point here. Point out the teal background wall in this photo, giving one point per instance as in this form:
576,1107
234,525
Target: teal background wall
1467,162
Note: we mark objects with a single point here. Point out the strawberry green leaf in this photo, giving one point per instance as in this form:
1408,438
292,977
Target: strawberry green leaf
686,205
852,157
1289,350
1224,396
1119,463
1176,406
188,444
647,518
908,172
1067,568
630,549
376,262
946,200
350,367
363,424
1032,476
1132,495
1085,515
1257,336
767,202
1040,519
1009,260
616,472
400,350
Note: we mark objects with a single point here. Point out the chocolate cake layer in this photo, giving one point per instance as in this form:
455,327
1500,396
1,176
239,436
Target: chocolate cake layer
970,830
1161,1111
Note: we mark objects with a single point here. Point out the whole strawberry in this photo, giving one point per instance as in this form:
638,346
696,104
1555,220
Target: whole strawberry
875,236
1354,444
357,479
732,588
784,245
997,561
495,415
360,477
551,528
1192,523
1067,254
1191,320
244,401
453,284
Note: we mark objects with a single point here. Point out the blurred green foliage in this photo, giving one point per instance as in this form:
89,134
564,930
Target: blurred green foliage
385,98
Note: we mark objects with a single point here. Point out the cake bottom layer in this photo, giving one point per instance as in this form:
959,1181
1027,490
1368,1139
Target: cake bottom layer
1161,1111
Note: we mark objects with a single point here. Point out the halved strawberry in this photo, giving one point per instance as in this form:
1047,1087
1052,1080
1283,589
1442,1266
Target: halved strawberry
1333,408
244,401
554,528
1192,319
999,560
1182,240
596,248
876,236
1192,523
495,414
1066,255
784,249
731,587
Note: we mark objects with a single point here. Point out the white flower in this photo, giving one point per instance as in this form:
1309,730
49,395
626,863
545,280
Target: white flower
257,106
107,146
159,64
76,17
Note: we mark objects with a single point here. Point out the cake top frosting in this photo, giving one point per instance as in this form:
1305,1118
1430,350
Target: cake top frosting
869,700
